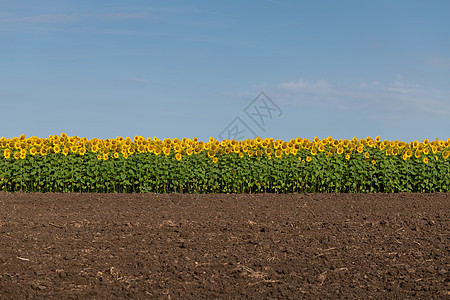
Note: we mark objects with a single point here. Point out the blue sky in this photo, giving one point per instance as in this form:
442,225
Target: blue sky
197,69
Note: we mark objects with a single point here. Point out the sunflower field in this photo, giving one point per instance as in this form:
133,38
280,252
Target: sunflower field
72,164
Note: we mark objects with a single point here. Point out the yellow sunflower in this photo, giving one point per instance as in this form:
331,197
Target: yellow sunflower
278,153
7,153
56,149
82,151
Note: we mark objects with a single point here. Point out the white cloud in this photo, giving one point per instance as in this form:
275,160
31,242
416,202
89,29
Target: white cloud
57,18
302,84
125,16
134,79
64,18
440,62
398,96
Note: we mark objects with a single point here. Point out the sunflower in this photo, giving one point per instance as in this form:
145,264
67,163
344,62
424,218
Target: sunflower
308,159
99,157
82,151
16,155
23,154
374,162
215,160
340,150
43,151
33,151
241,154
347,156
366,155
446,154
65,151
74,149
314,151
211,153
268,151
178,156
7,153
278,153
425,160
417,153
116,154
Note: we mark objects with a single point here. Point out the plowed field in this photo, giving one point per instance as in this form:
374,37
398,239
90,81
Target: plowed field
177,246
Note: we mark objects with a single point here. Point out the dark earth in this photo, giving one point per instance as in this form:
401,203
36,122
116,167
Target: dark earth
263,246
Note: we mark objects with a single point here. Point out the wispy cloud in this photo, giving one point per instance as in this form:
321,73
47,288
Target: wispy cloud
135,79
439,61
65,18
398,96
319,86
126,16
56,18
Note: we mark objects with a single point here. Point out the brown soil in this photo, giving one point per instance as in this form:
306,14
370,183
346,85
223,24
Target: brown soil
173,246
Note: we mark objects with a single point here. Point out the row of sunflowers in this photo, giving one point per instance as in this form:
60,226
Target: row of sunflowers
62,163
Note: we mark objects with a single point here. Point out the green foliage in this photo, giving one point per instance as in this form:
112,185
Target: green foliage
197,173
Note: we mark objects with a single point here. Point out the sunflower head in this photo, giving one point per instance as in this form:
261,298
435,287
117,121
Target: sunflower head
278,153
7,153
